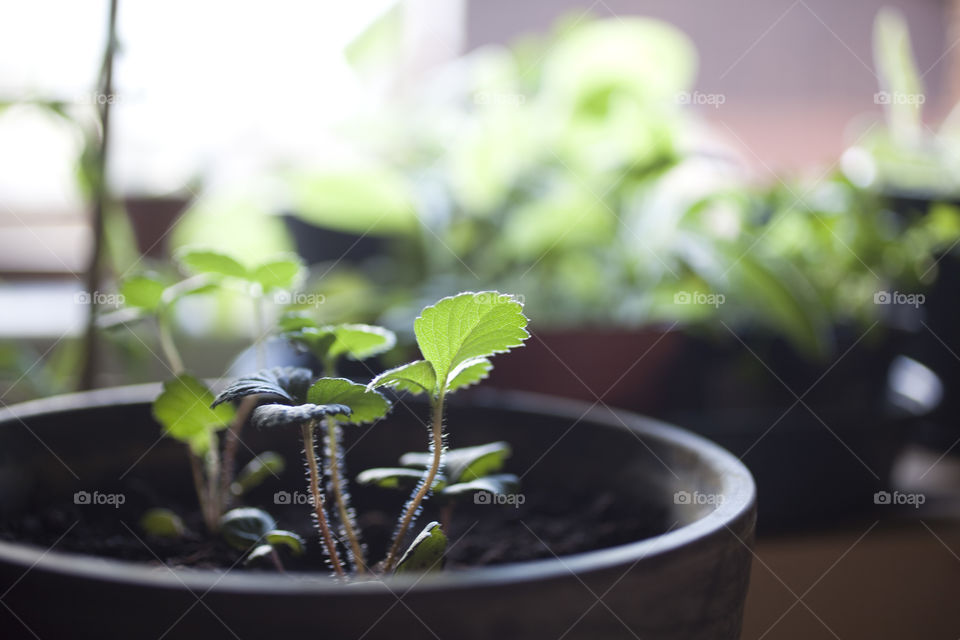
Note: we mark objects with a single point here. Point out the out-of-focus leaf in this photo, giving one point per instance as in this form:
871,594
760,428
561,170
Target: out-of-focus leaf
244,527
426,551
397,478
366,405
265,465
162,523
183,408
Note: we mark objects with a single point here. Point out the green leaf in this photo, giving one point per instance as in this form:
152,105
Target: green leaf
468,326
287,538
268,463
244,527
283,383
365,405
184,409
189,287
210,261
466,463
162,523
295,321
315,340
270,416
426,551
361,341
142,292
281,273
397,478
469,373
260,553
414,377
500,484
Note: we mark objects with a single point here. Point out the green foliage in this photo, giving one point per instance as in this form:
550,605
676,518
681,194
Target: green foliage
287,384
397,478
162,523
497,484
272,274
247,528
426,551
330,342
184,409
455,336
365,405
255,472
466,463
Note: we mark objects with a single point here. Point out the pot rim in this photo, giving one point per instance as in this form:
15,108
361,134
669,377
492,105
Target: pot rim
739,503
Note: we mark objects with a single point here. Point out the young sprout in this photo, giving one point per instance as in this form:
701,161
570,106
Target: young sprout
464,472
328,344
292,401
255,532
183,409
457,336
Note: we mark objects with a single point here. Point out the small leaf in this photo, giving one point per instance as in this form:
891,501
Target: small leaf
184,409
500,484
259,554
397,478
281,273
426,551
361,341
469,373
287,538
295,321
210,261
316,341
142,292
162,523
283,383
468,326
194,285
415,377
465,463
269,416
268,463
365,405
244,527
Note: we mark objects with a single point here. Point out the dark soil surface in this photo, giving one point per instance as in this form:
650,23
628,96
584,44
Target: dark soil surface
544,526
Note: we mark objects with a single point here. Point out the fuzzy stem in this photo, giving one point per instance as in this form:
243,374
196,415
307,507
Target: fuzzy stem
229,463
307,430
341,497
425,485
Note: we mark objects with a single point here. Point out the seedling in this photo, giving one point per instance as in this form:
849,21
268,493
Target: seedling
464,472
183,408
255,532
457,337
294,402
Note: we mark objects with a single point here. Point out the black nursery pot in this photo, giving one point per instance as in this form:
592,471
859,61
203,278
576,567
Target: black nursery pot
687,582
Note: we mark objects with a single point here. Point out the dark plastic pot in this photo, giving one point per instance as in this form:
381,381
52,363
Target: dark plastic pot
688,583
